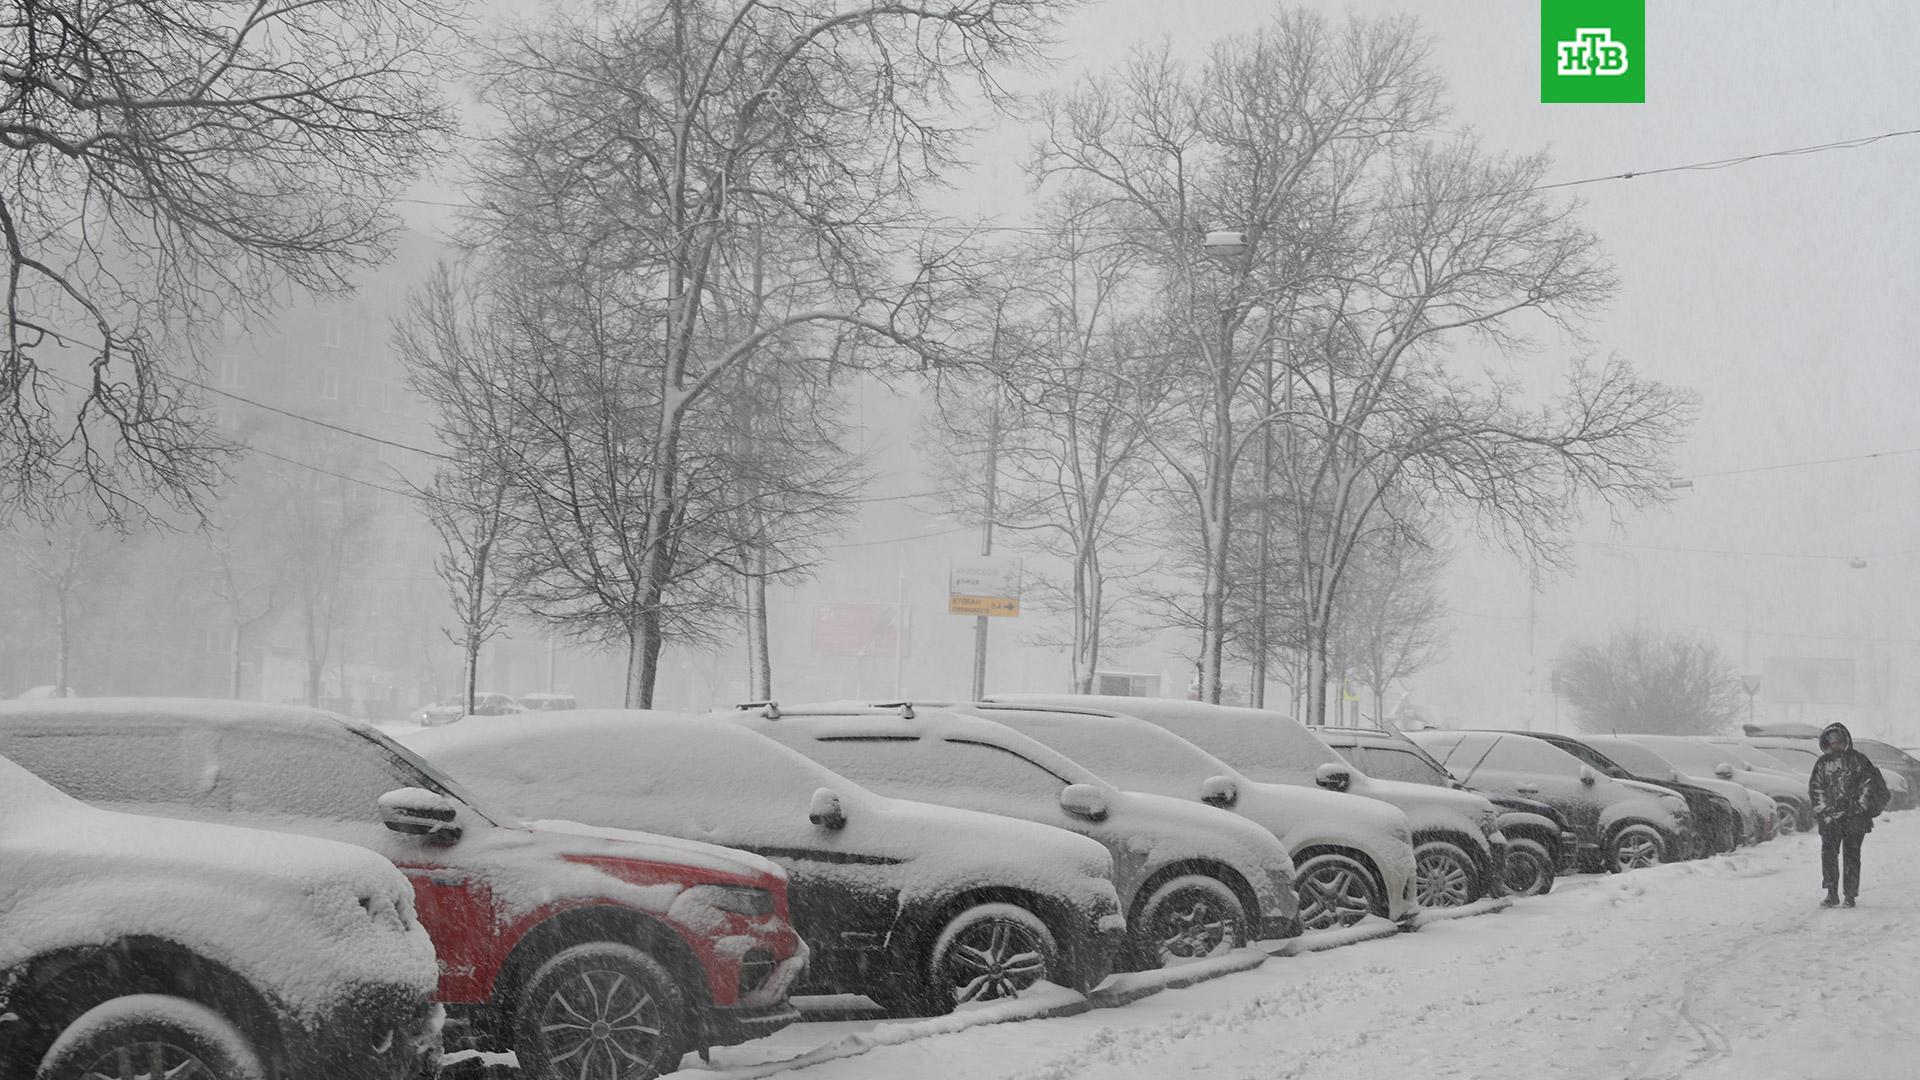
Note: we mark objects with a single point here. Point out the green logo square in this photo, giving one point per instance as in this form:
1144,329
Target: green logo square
1593,50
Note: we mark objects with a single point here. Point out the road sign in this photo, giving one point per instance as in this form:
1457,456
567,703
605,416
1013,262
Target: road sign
984,585
859,630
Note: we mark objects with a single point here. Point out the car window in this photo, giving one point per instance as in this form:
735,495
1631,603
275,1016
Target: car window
975,773
1137,756
1394,763
1266,746
1518,753
1587,755
325,776
144,766
1635,758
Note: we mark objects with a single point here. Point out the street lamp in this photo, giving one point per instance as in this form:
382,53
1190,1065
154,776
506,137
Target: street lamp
1230,246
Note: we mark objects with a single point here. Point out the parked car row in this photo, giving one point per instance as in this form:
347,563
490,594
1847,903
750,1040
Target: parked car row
603,891
490,703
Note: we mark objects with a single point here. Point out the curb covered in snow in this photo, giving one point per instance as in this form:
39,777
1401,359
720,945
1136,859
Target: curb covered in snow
1429,916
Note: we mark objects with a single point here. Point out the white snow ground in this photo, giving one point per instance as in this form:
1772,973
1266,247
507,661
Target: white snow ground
1719,969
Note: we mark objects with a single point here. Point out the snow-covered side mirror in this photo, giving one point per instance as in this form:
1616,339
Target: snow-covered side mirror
418,812
826,811
1588,776
1333,776
1527,789
1723,770
1084,801
1673,775
1219,791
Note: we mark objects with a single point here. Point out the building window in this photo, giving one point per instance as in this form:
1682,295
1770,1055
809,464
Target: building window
226,370
331,329
329,384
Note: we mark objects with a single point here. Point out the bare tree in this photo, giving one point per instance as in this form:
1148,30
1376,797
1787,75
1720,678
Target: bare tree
248,575
1650,681
322,526
468,510
1392,620
1269,134
66,559
642,141
172,163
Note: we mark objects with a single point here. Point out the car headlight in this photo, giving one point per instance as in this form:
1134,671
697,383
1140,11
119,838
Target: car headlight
737,899
386,913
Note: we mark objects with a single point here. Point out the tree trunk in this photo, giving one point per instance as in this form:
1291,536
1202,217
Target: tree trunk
233,657
469,673
60,673
1316,688
757,611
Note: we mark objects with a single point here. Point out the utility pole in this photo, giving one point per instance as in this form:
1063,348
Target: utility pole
1259,695
986,537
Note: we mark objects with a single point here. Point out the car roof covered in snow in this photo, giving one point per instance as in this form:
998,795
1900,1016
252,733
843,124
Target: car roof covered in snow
127,711
856,720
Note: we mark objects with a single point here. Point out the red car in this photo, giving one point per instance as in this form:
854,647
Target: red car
587,952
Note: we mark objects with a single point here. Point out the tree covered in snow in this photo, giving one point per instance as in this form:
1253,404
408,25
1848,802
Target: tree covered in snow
1647,681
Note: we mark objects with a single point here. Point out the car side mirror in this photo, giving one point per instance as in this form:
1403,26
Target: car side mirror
1084,801
1333,776
1527,789
413,811
1587,776
1723,770
1219,791
826,811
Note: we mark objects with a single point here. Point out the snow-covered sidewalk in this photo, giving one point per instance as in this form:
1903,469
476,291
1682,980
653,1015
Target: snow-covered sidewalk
1722,968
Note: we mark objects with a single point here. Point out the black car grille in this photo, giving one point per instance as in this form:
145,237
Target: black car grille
755,968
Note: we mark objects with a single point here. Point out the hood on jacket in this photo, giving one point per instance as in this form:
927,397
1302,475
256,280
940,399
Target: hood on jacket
1836,728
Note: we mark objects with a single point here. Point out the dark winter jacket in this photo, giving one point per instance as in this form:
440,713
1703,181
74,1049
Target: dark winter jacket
1846,788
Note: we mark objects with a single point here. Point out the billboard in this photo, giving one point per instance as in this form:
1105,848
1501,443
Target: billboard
1807,680
984,585
861,630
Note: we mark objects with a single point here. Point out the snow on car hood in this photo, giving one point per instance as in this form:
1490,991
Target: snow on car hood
1429,807
308,921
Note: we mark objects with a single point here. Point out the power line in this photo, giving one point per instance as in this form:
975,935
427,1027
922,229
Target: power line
1803,464
314,420
1711,165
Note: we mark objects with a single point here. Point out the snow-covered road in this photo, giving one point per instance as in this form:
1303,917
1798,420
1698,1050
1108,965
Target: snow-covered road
1722,968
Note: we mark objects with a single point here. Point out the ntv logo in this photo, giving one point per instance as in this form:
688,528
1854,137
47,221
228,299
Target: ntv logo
1593,52
1581,39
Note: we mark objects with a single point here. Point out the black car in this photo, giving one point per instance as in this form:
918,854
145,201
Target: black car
1540,844
897,900
1720,825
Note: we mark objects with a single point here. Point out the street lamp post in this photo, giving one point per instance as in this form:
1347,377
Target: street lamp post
1229,246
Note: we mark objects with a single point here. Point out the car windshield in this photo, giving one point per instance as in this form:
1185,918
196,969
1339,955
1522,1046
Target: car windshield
1634,758
1692,758
1124,752
440,780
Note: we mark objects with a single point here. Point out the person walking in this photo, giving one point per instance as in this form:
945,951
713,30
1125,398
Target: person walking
1847,792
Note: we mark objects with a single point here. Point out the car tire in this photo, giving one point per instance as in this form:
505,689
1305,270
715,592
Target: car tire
1528,870
165,1035
1786,819
1444,875
1636,846
1190,917
1335,890
566,1003
988,952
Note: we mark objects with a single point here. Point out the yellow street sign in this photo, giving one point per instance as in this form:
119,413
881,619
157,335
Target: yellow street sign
999,606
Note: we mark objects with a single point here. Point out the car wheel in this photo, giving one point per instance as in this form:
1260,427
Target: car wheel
1636,847
1188,918
150,1037
1335,890
1786,820
1443,875
986,953
1528,869
601,1011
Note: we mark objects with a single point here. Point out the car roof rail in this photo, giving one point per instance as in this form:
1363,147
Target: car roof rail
904,708
768,709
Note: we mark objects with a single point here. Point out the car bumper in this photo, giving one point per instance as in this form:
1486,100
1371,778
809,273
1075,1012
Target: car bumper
380,1034
744,1023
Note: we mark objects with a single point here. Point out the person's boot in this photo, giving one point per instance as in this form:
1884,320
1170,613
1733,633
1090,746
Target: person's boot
1848,902
1832,900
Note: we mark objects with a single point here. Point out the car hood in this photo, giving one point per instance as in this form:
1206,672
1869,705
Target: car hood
574,840
1766,781
1306,817
268,905
1428,806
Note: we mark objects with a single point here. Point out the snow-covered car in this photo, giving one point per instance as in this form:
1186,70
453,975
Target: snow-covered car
182,949
919,907
1458,848
1539,843
1194,881
544,701
1622,824
561,943
1352,857
1724,816
1698,759
485,703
